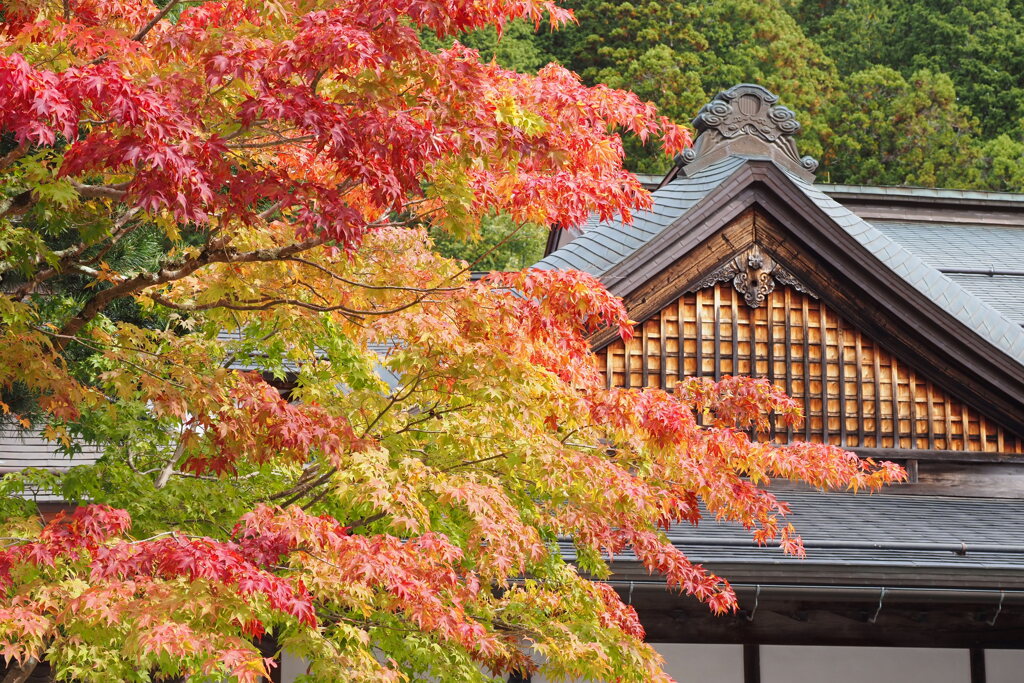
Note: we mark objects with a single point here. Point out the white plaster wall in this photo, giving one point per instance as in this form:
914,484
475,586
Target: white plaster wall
692,663
291,667
1004,666
697,663
792,664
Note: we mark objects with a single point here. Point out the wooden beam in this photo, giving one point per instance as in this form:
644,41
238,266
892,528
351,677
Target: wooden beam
941,456
835,623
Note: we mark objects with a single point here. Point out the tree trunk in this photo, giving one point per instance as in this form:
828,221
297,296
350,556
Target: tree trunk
20,673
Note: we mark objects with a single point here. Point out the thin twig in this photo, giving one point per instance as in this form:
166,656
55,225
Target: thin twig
364,285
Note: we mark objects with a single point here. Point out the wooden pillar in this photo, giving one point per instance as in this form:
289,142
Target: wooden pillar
752,664
977,665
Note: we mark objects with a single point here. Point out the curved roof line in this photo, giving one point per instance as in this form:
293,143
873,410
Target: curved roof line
603,247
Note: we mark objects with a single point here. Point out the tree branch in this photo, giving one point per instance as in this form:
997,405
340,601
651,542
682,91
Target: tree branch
265,304
168,470
12,156
177,271
154,21
364,285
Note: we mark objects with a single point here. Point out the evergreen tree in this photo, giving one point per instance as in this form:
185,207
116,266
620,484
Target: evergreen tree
978,43
679,54
889,130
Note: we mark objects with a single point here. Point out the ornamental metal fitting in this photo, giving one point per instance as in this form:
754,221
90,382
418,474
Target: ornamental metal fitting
754,274
745,120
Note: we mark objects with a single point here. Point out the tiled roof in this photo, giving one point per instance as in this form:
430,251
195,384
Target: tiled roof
1005,293
897,531
972,311
988,314
956,247
952,246
605,244
20,448
921,192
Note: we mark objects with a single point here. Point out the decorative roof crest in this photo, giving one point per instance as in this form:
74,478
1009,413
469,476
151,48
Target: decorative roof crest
745,120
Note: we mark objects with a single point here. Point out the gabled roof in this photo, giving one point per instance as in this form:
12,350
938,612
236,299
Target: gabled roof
917,252
964,327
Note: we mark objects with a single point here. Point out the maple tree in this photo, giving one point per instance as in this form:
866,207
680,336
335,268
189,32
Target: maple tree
210,204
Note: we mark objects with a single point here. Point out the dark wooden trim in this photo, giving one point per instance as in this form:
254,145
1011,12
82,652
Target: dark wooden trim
941,456
718,335
663,366
627,366
823,369
841,353
698,321
930,393
734,314
858,360
804,312
608,369
877,367
752,664
552,242
269,647
894,369
912,392
977,665
770,342
842,619
645,354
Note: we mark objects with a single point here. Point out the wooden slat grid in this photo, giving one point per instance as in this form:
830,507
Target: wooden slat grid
854,393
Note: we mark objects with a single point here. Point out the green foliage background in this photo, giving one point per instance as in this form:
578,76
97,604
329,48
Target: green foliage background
890,92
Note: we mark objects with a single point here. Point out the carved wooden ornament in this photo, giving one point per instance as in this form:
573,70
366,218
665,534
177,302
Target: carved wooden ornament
745,119
753,274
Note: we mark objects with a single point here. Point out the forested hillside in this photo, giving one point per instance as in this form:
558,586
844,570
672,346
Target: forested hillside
890,92
918,92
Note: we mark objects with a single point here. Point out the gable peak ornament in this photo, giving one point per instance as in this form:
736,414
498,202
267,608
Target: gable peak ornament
754,275
745,120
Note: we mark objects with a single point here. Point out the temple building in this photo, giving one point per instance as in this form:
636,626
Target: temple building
894,315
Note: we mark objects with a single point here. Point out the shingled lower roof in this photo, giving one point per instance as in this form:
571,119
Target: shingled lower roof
986,260
900,532
21,448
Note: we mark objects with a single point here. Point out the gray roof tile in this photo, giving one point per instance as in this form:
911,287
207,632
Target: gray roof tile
832,518
20,448
671,202
996,248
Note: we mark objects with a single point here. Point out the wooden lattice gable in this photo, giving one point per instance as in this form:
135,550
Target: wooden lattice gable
744,187
854,392
753,297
